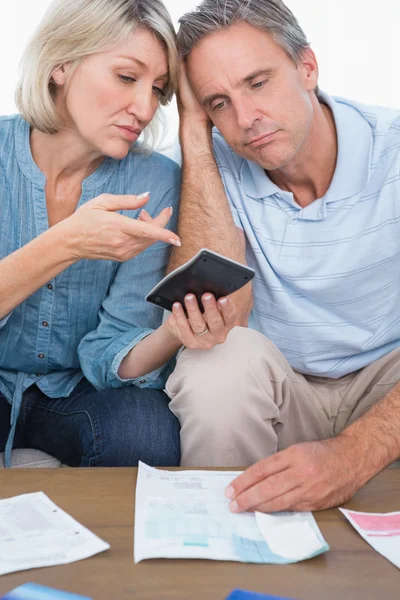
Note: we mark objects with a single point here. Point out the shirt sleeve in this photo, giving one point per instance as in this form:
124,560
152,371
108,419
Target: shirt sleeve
125,317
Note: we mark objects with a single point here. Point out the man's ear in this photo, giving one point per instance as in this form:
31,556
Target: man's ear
309,69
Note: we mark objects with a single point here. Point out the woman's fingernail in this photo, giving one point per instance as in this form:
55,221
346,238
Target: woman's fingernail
174,242
143,195
234,506
207,297
189,297
223,301
171,210
176,306
229,492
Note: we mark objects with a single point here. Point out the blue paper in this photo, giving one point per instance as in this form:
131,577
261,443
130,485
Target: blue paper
33,591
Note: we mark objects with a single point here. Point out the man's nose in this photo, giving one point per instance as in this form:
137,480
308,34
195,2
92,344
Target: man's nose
246,114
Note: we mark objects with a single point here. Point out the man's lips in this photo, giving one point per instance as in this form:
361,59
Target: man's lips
261,139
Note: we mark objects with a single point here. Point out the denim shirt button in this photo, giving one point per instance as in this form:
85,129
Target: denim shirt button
142,381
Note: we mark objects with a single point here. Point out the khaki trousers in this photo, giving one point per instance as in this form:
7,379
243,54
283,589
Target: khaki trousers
241,401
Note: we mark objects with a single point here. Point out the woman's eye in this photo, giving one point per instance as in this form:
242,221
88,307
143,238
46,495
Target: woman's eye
126,79
158,91
258,85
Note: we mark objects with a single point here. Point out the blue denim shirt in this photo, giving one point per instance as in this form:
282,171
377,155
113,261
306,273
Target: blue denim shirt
84,321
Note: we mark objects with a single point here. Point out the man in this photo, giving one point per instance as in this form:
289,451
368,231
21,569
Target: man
306,189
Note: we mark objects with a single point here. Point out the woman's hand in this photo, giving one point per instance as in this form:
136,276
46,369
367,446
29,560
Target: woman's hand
202,331
95,231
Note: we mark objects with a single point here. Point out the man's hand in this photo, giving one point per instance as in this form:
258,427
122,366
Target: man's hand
304,477
188,105
202,331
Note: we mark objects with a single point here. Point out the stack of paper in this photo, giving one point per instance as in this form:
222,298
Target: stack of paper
184,514
35,532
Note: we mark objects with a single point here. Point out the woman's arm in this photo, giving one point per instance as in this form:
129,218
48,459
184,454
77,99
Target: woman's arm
150,354
29,268
94,231
160,346
154,350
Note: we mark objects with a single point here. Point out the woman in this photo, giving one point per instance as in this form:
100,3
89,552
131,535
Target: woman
77,378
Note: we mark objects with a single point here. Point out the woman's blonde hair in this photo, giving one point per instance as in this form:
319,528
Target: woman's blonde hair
74,29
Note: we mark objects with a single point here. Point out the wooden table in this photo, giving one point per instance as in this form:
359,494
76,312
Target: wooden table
103,501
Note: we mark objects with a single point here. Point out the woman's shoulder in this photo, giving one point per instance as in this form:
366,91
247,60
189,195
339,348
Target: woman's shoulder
145,168
9,125
152,160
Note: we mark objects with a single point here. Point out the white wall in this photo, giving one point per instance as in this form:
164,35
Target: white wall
357,43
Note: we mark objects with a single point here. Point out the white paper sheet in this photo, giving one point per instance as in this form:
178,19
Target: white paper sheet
380,530
184,514
292,535
35,532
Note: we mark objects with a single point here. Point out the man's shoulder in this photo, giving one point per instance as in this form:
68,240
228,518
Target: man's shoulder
381,119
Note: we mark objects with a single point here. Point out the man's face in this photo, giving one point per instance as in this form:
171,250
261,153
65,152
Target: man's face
257,97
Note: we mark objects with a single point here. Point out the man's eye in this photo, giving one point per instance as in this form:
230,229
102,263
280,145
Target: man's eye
219,105
126,79
259,84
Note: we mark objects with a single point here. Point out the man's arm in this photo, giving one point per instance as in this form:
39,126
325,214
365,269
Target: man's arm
319,475
205,219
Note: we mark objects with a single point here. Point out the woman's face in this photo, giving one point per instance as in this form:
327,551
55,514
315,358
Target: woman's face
113,95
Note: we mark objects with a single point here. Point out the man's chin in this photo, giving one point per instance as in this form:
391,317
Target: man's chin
267,163
270,161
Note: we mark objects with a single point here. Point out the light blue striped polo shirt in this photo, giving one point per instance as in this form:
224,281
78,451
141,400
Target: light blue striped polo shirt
327,284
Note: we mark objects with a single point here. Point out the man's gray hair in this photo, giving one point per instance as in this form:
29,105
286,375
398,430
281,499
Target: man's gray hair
271,16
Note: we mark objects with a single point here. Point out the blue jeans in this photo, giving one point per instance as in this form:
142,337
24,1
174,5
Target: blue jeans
110,428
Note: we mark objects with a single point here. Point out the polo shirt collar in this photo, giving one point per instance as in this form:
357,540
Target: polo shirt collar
352,171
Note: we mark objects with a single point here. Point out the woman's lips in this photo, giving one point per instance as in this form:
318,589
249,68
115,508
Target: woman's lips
129,133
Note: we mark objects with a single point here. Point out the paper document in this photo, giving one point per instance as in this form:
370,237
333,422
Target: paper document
184,514
35,532
380,530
